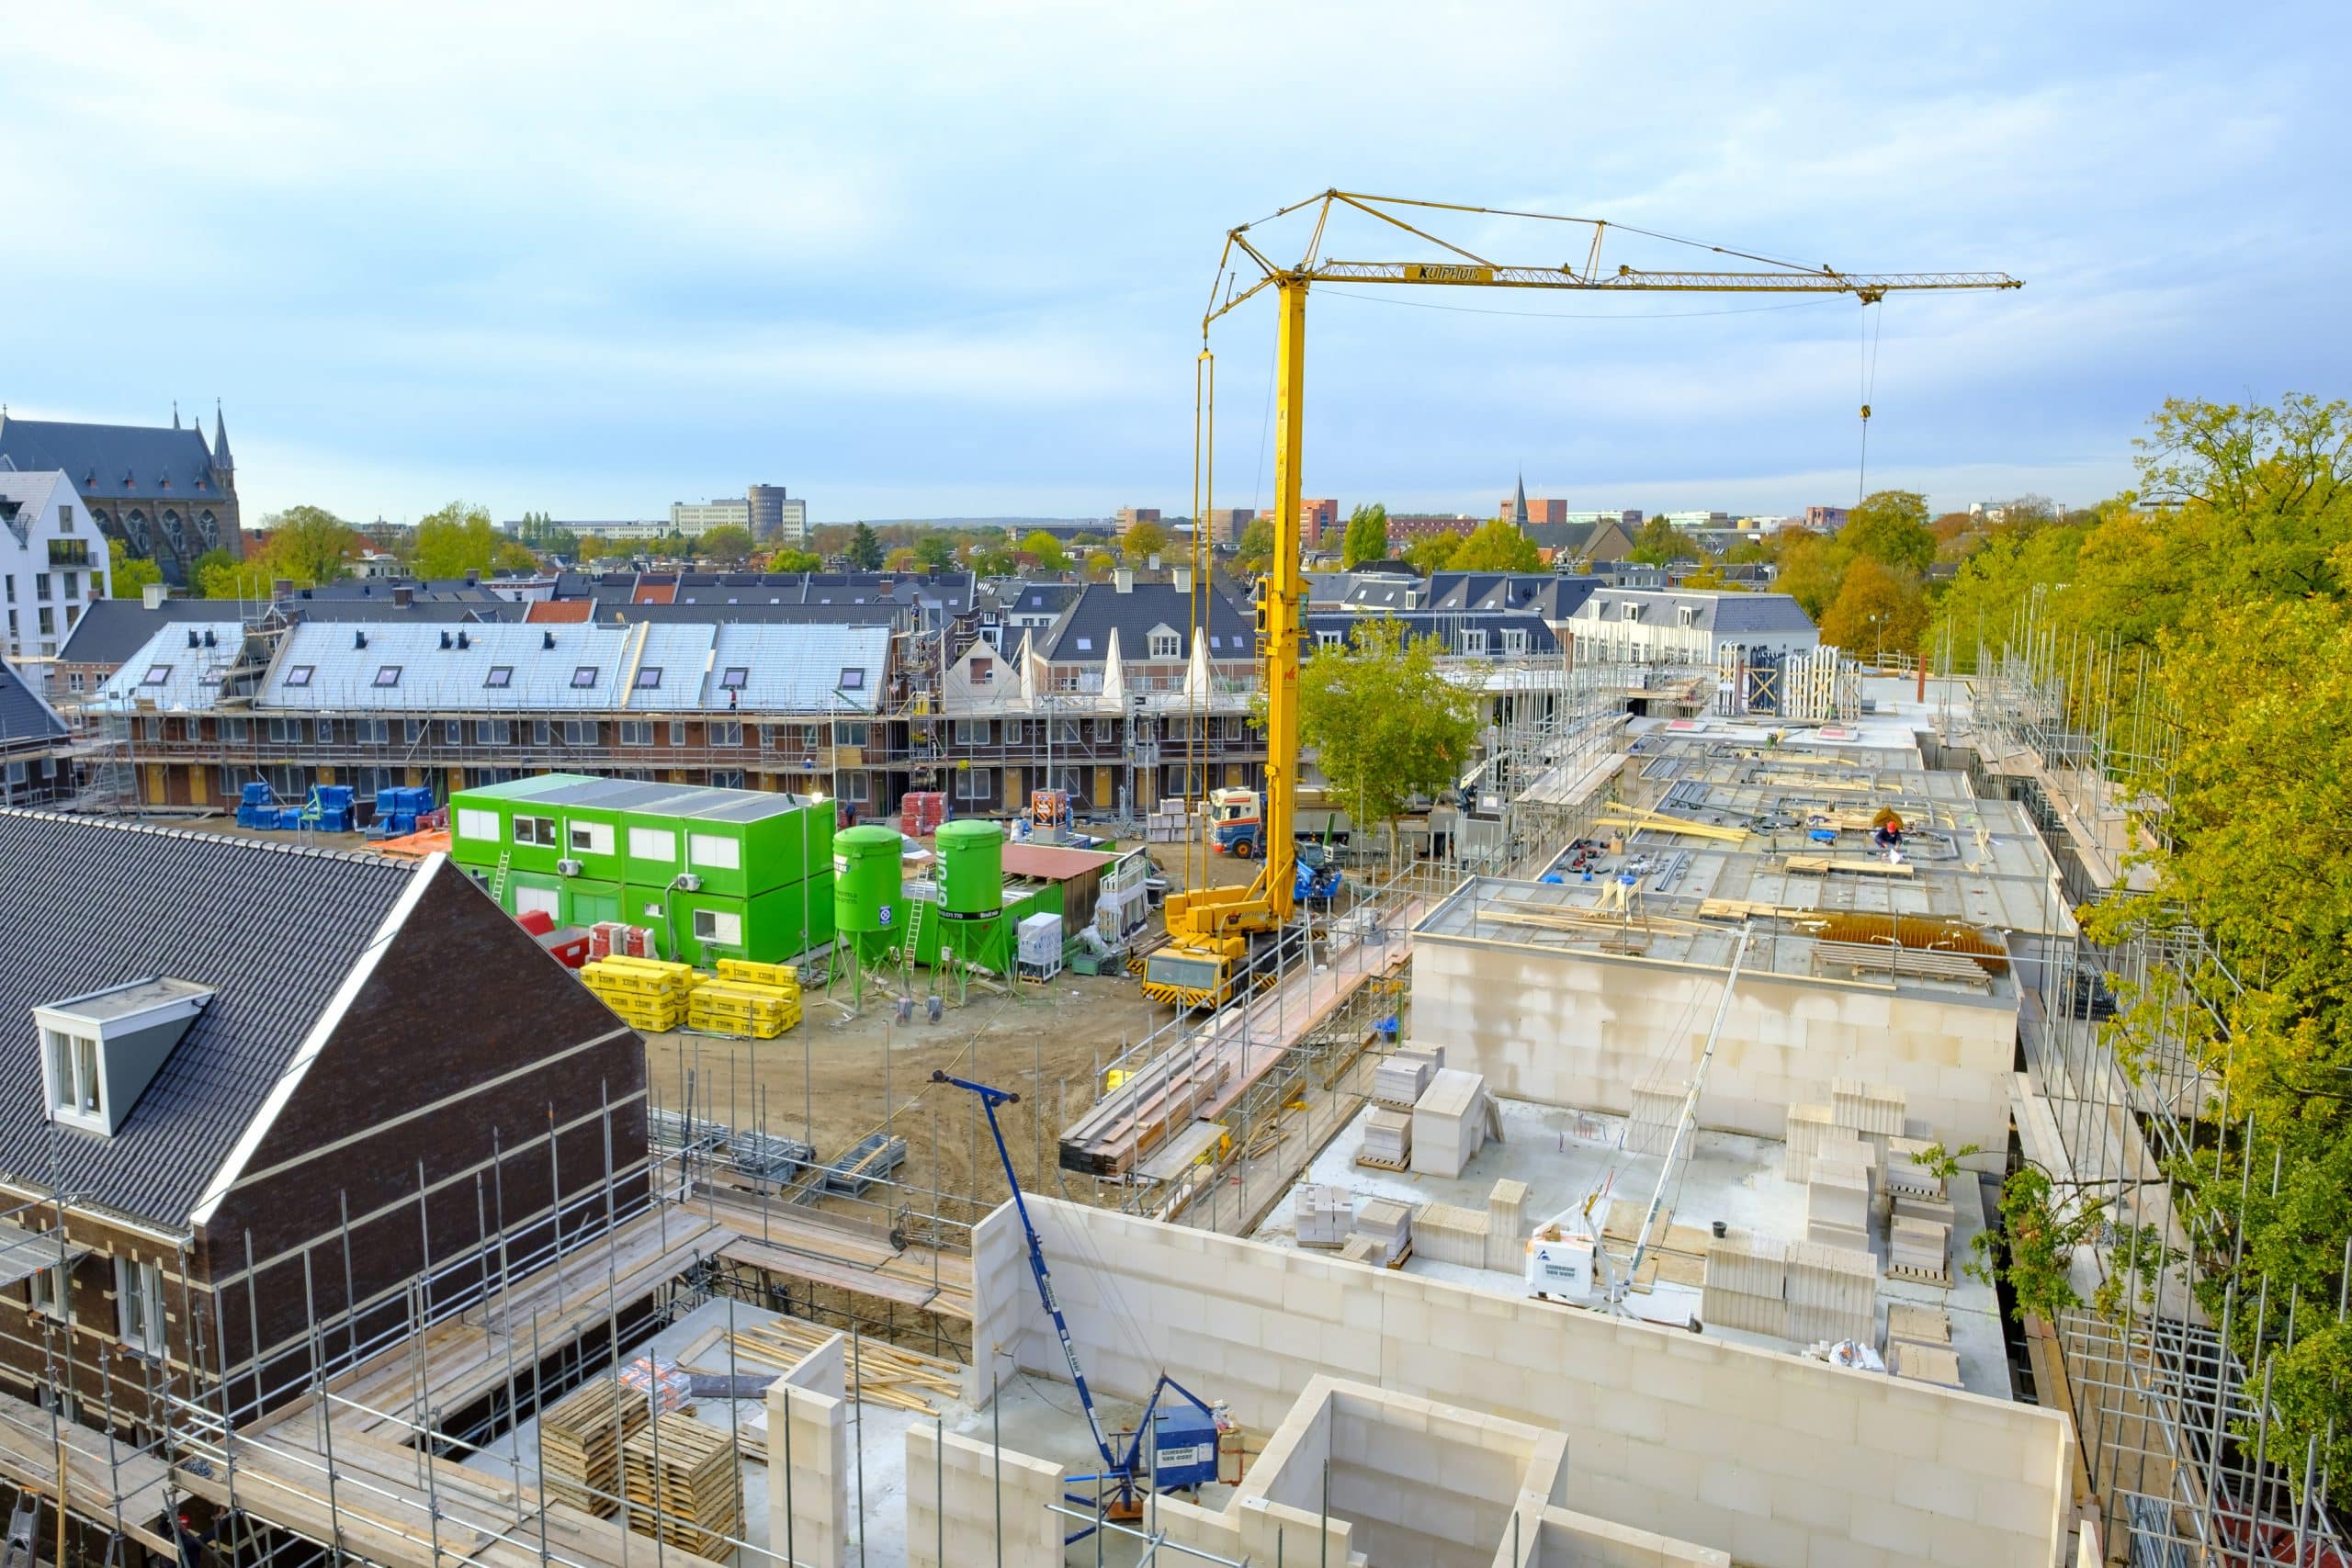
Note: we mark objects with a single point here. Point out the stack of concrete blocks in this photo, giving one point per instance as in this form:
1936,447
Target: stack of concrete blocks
1873,1110
1174,824
968,1502
1451,1122
1403,1077
1746,1284
1657,1112
807,1493
1388,1139
1322,1217
1832,1294
1388,1225
1837,1205
1924,1363
1806,1126
1446,1233
1777,1460
1506,1226
1903,1173
1919,1249
1918,1324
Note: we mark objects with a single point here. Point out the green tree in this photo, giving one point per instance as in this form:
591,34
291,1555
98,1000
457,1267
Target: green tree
864,549
935,551
129,575
1657,543
1890,528
1812,570
614,549
1498,546
903,558
514,555
453,541
1434,552
310,545
1878,610
1100,565
1387,725
1045,550
730,544
786,559
1367,535
1253,552
1143,541
227,579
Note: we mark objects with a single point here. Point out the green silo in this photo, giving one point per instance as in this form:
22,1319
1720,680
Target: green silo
971,870
870,905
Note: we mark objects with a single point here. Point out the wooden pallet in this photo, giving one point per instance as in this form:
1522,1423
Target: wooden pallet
579,1444
682,1483
1372,1163
872,1371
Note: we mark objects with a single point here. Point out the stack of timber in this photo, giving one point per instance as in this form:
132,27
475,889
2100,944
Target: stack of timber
647,992
683,1486
579,1444
1387,1140
872,1371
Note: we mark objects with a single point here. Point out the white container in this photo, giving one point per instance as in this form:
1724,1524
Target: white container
1040,937
1561,1269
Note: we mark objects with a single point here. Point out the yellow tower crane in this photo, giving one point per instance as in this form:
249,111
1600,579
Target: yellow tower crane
1210,929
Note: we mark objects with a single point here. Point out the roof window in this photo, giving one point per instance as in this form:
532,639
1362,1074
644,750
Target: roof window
100,1050
736,678
501,676
388,674
156,675
300,674
583,676
852,679
648,678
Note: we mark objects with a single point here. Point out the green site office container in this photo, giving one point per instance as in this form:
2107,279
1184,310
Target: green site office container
482,830
587,902
702,928
747,842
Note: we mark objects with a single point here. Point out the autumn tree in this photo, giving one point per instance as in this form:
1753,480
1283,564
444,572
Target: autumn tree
1433,552
1498,546
310,545
1367,535
455,540
1387,725
1812,569
1143,541
1253,552
1045,550
1876,609
786,559
1100,565
1890,527
903,558
1657,543
730,544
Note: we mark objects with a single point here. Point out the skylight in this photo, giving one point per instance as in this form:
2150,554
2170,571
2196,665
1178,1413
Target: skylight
584,675
648,678
300,674
156,675
853,678
388,675
500,676
736,678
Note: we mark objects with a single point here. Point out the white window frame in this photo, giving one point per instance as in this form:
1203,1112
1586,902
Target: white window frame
654,843
716,851
74,1078
538,830
46,1289
145,1331
546,900
590,838
719,926
974,785
475,823
1167,645
1514,640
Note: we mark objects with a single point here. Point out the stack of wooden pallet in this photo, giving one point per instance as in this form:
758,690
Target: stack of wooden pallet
579,1444
647,992
1387,1140
683,1486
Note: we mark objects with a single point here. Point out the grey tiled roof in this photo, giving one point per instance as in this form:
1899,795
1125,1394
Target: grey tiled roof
111,630
1082,635
24,716
93,903
98,457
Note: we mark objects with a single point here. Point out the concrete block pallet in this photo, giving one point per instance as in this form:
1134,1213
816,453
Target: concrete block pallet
1924,1363
1920,1250
1807,1125
1388,1225
1838,1206
1450,1234
1832,1292
1744,1283
1387,1141
1322,1217
1874,1110
1452,1122
1657,1113
1401,1080
1904,1175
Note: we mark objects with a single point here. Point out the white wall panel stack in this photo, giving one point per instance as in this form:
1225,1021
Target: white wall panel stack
1321,1216
1507,1226
1805,1127
1838,1206
1446,1233
1449,1122
1832,1294
1658,1111
1874,1110
1745,1283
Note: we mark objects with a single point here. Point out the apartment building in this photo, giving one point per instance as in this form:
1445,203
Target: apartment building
1678,625
53,561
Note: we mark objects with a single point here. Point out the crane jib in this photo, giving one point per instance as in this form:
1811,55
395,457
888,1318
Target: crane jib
1447,271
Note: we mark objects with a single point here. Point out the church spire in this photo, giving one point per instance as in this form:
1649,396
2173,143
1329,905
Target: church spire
220,458
1519,502
176,414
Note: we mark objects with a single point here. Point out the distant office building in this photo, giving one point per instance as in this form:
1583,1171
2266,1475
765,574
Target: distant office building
777,516
1404,526
164,493
1628,518
1129,516
1698,519
53,561
1826,519
691,518
1540,509
1225,523
1315,514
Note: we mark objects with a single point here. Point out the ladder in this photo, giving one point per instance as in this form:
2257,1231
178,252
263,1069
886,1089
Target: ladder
498,879
913,943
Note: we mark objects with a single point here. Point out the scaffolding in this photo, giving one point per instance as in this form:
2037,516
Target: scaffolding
2178,1434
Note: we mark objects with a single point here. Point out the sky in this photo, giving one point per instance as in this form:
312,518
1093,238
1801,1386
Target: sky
951,260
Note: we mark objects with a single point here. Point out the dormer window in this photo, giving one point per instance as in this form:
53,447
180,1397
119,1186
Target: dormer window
1632,612
100,1051
1165,644
1689,614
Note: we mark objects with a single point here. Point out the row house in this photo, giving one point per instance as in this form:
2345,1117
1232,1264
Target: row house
204,707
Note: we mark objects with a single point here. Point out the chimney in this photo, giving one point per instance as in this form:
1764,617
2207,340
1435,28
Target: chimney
154,594
1122,580
1154,562
473,578
444,639
282,588
192,640
547,639
462,641
403,597
1184,579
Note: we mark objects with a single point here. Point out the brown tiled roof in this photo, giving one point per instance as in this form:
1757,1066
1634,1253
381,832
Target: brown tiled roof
557,611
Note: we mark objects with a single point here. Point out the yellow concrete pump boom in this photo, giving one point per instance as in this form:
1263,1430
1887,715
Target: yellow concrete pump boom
1209,928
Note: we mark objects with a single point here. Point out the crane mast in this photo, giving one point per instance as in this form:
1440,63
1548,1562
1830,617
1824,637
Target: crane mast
1209,928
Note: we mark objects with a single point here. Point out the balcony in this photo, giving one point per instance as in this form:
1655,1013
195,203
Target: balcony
69,552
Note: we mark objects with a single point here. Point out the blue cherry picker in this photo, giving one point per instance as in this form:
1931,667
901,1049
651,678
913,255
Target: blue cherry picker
1184,1441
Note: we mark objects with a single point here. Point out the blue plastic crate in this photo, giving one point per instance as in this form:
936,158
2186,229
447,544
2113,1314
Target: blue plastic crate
256,794
334,821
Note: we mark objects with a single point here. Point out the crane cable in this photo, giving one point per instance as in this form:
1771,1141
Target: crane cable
1873,327
1203,498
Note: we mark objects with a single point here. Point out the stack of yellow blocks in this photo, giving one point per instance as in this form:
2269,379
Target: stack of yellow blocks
646,992
759,1001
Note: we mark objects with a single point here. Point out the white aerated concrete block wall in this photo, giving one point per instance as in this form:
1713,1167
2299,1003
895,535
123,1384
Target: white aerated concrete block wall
809,1462
1782,1461
1581,1029
996,1509
1571,1539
